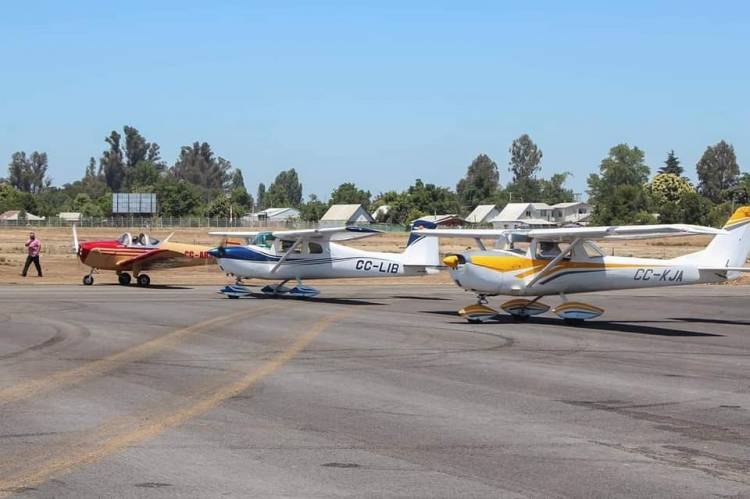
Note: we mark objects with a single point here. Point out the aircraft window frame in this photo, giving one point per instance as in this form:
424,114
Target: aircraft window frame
589,247
264,240
539,256
287,243
126,239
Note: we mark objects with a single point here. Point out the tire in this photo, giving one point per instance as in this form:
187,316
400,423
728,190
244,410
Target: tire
88,280
124,278
144,280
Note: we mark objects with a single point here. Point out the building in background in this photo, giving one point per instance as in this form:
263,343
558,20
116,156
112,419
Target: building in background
483,214
346,214
538,215
272,215
69,216
448,220
17,215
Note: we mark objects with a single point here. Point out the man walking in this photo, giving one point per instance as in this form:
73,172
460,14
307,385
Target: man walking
34,247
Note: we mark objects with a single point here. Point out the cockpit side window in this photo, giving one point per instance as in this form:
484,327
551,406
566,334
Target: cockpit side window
315,248
547,250
591,250
285,245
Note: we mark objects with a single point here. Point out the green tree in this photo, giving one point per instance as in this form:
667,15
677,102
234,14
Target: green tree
672,165
525,189
668,188
741,193
143,176
431,199
553,191
525,157
348,193
112,163
261,197
198,165
480,183
84,205
220,207
136,147
178,198
284,191
667,192
29,174
692,209
313,209
242,200
237,181
717,171
398,206
617,192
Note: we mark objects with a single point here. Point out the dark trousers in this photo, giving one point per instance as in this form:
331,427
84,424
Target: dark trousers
34,259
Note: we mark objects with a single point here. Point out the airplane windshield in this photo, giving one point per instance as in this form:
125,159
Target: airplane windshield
263,239
126,239
591,250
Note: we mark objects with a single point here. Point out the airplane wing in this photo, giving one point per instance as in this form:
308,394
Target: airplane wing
567,234
323,234
157,259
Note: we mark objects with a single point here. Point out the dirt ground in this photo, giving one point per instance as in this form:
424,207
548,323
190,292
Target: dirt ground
60,265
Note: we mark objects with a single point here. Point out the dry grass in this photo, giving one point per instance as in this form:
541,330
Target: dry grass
61,266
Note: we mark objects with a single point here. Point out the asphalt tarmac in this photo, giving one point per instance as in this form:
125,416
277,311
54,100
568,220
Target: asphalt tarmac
374,391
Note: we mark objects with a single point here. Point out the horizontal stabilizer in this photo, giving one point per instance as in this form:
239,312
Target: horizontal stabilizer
725,269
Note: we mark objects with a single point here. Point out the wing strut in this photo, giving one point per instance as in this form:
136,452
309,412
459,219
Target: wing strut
552,263
286,255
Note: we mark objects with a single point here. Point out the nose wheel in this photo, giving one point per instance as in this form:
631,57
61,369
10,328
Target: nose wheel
88,280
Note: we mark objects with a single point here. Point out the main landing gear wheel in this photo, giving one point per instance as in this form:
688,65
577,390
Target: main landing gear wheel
88,280
124,278
143,280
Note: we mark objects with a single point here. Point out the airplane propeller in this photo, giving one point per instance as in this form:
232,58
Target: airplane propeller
76,245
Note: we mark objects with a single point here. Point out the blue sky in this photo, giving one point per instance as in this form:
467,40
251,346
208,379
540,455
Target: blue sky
377,93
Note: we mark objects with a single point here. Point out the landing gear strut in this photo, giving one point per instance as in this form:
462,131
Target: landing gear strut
88,279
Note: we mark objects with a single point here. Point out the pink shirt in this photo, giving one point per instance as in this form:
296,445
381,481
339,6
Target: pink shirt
34,247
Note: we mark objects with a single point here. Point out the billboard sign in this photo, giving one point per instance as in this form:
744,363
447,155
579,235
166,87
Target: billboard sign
133,203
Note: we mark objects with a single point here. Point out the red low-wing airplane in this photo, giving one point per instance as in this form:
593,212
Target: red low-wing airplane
128,254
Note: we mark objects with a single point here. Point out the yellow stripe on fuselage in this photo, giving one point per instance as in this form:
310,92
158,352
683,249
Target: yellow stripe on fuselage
529,266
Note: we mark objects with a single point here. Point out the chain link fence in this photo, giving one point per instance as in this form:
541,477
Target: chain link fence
133,222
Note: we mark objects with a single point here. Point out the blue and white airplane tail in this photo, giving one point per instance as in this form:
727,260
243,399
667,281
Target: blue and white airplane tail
421,250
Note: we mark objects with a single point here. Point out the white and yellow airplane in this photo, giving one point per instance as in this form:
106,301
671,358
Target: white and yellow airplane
564,261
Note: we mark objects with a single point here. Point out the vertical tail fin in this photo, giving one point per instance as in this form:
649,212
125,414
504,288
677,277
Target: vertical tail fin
422,250
732,248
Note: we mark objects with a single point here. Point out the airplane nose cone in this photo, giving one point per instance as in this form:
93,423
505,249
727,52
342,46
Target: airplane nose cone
451,261
216,252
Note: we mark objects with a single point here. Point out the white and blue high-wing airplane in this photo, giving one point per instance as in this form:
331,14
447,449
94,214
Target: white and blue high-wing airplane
545,268
314,254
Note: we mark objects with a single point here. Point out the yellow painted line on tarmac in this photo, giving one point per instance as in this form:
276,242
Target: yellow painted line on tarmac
157,425
27,389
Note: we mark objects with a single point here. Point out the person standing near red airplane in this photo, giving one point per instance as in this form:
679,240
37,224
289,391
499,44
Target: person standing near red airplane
34,247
